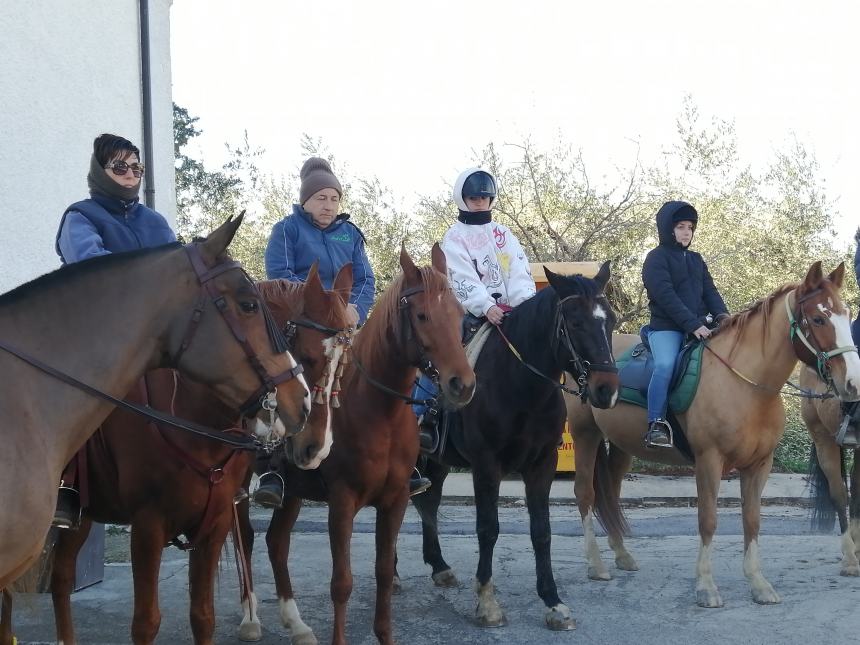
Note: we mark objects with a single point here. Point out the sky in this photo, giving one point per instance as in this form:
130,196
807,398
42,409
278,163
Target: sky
410,91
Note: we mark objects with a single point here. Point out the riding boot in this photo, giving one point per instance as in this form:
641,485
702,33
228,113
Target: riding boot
428,432
67,515
270,492
417,483
659,434
848,435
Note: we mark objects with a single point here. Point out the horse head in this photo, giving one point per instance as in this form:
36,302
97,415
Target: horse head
322,342
821,330
227,339
431,326
585,324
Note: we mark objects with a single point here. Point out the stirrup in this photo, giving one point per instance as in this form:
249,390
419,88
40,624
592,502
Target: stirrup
67,514
654,438
418,483
270,494
428,432
846,438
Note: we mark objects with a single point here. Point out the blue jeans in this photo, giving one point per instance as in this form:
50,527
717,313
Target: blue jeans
424,389
665,347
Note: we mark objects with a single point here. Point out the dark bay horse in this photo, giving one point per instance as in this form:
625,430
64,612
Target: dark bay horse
166,483
415,323
106,321
515,422
830,486
735,421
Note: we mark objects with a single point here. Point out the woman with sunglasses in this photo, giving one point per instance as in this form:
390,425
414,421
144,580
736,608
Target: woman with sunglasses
112,220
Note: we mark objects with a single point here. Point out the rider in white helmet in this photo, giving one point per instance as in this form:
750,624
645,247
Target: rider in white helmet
487,268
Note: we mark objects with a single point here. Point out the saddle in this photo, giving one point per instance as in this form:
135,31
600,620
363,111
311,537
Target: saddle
636,365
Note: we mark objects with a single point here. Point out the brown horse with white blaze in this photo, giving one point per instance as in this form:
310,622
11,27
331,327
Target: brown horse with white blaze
735,420
415,324
144,304
167,483
832,496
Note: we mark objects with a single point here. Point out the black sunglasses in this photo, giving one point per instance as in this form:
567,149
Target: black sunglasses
119,168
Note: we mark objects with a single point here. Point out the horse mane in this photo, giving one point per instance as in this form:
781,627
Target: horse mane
372,344
76,269
283,297
741,320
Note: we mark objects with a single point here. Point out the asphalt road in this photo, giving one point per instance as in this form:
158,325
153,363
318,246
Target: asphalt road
653,605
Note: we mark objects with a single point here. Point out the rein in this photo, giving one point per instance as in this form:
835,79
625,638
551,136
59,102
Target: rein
582,366
822,358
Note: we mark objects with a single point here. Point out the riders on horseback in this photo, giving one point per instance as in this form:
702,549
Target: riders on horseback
849,429
112,220
681,293
487,269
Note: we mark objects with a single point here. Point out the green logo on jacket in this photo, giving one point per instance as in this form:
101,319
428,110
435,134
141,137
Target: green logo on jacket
340,237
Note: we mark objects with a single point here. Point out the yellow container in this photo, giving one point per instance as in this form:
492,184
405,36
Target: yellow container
566,463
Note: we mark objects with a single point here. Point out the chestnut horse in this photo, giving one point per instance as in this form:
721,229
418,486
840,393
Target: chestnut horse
515,422
828,469
106,321
735,420
167,483
415,324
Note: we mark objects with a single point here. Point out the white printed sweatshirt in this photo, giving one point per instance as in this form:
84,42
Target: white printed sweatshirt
484,259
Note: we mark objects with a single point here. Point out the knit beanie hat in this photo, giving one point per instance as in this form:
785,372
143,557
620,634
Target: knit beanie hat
316,174
98,182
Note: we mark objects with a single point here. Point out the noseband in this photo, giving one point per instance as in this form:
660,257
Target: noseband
800,329
265,396
581,367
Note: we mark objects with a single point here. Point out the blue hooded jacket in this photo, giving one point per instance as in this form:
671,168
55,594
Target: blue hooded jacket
855,326
680,288
102,225
295,244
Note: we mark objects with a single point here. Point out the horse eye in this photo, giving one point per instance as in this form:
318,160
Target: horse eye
249,307
422,317
818,320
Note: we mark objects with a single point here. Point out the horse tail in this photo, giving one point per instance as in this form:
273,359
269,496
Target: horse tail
607,505
823,509
6,616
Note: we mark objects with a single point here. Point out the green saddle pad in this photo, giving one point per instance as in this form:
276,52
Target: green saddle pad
635,373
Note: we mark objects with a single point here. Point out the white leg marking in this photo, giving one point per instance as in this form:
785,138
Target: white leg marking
707,594
762,591
596,568
250,629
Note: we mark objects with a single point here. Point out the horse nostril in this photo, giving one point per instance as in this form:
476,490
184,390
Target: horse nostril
455,384
311,451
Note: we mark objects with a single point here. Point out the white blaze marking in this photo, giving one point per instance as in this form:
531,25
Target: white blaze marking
842,325
599,312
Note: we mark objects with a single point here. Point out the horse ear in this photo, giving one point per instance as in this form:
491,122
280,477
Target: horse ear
409,269
437,257
313,280
218,240
837,275
343,281
603,275
551,278
813,276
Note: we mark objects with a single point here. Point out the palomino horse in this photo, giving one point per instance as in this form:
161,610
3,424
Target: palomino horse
415,323
827,466
107,321
167,483
735,420
515,422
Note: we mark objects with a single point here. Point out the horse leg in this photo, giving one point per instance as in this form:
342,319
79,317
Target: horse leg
619,465
585,457
753,480
5,617
709,468
388,522
853,532
428,508
278,541
830,461
538,480
66,549
341,515
250,629
147,543
202,563
486,482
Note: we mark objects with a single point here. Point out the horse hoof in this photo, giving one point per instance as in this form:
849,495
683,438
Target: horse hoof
626,563
595,573
250,632
767,597
851,571
708,599
445,579
305,638
558,619
499,620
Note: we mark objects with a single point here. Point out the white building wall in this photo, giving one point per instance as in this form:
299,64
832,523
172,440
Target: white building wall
69,71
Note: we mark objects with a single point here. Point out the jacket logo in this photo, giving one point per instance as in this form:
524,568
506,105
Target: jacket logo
500,237
340,237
